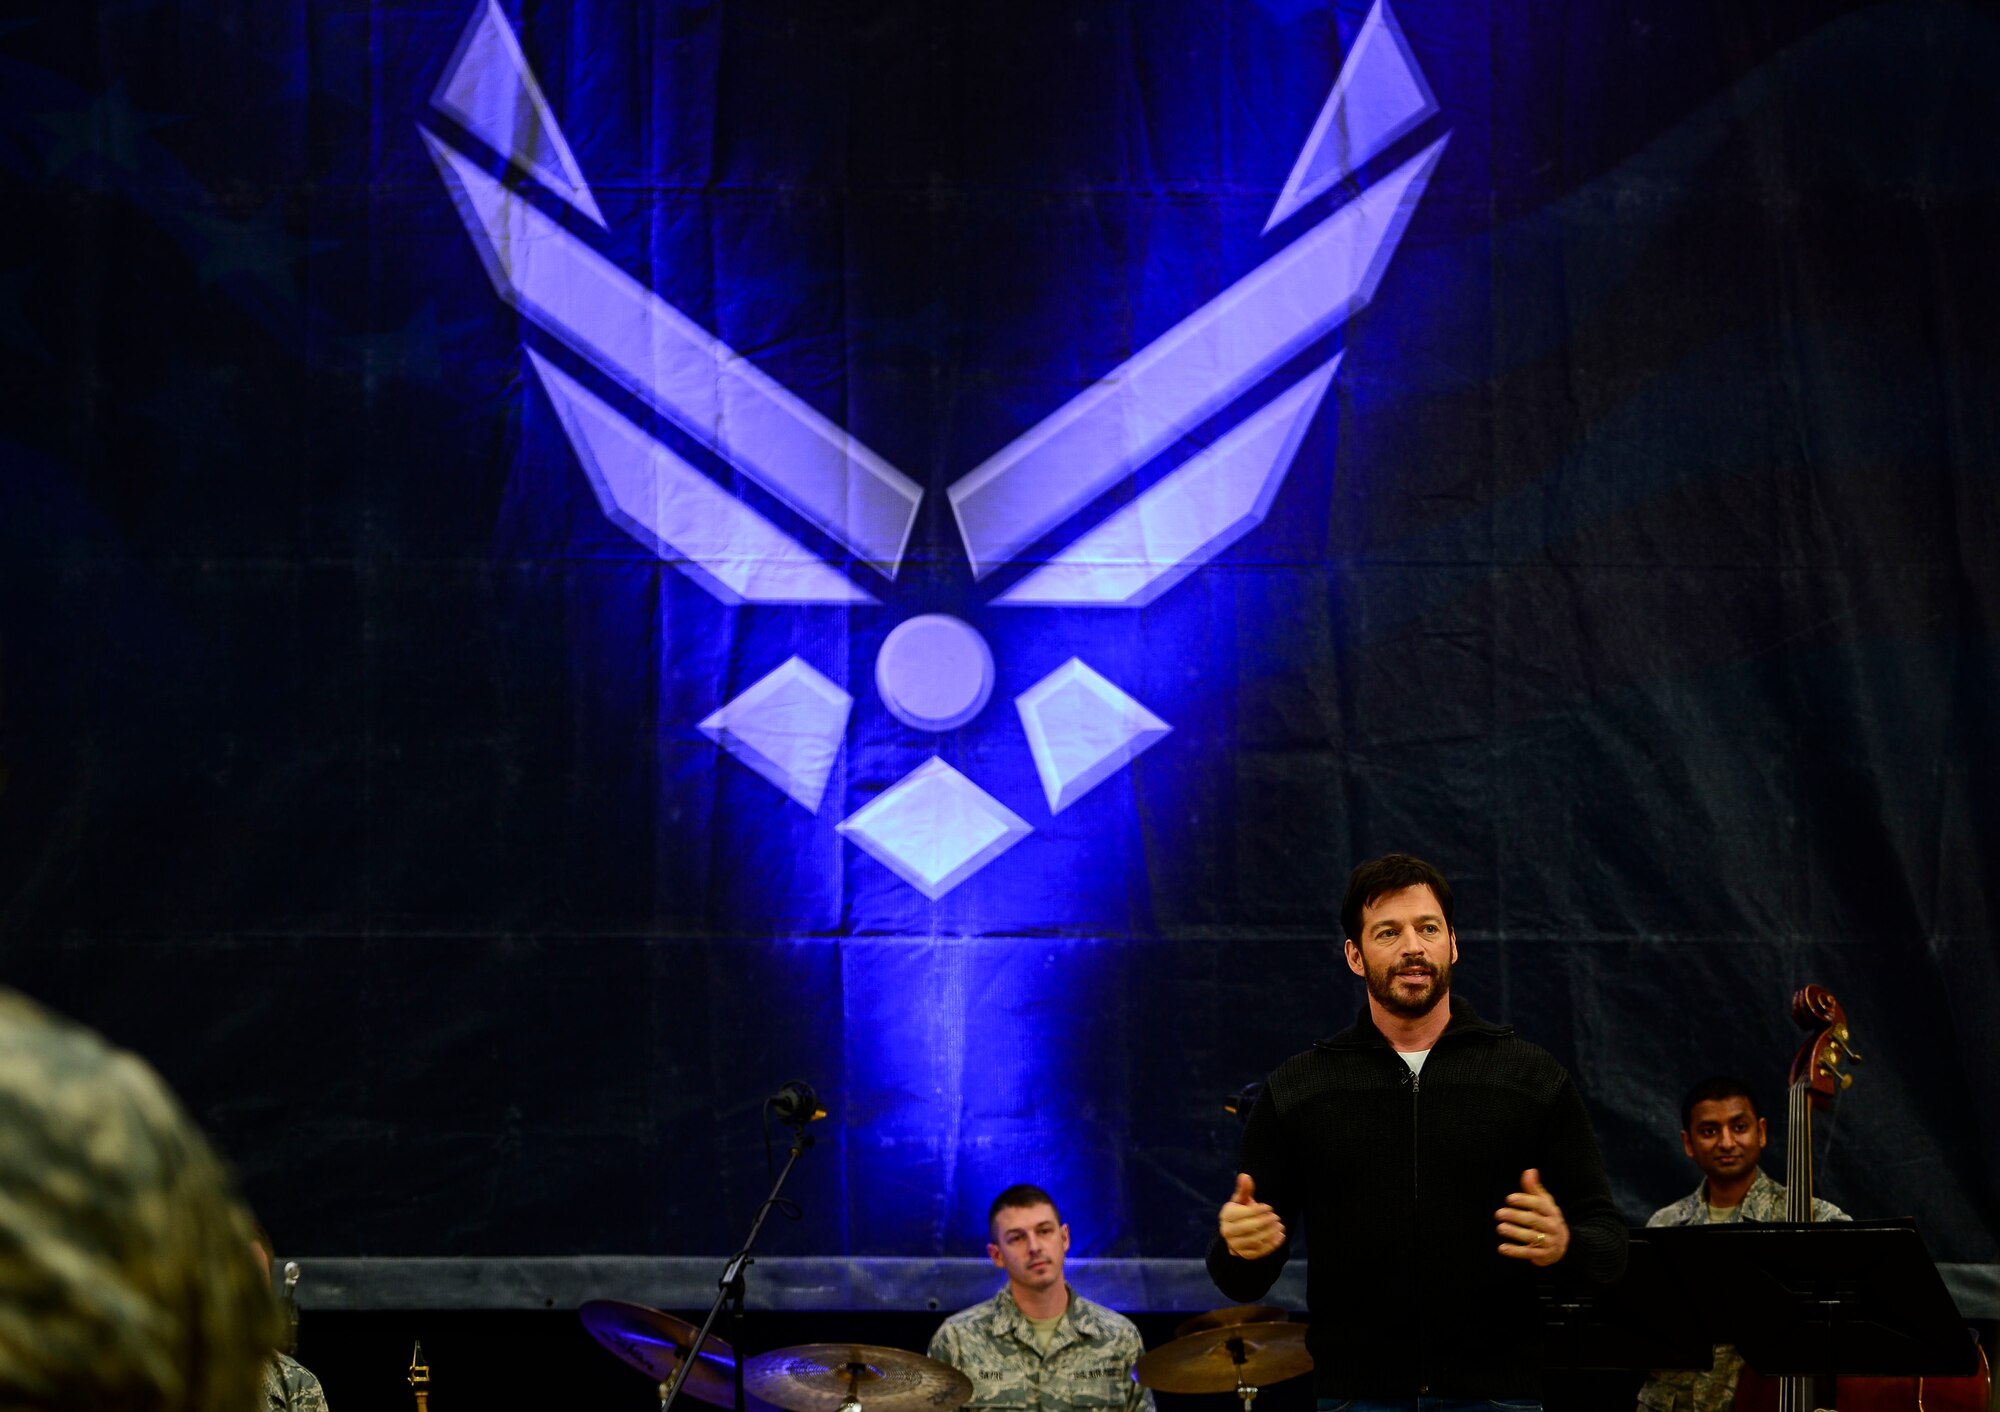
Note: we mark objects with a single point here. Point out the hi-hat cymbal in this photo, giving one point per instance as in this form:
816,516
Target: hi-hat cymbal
1222,1359
1234,1314
820,1377
655,1343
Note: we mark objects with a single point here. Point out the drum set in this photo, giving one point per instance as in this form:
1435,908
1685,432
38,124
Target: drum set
1239,1350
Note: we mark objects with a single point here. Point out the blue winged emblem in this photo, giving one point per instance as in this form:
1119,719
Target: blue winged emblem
935,827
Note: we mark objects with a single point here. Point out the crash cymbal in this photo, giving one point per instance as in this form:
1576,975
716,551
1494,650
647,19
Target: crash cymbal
821,1377
1234,1314
1222,1359
655,1343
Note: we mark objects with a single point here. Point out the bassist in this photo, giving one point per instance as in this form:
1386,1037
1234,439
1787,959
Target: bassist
1724,1134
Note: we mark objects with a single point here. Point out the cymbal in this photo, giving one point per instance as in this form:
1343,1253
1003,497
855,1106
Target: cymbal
820,1377
655,1343
1234,1314
1208,1361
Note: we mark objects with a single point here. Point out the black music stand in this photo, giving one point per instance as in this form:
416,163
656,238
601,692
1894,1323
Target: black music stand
1806,1300
1647,1320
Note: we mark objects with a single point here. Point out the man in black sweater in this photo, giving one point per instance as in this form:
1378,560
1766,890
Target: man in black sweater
1445,1169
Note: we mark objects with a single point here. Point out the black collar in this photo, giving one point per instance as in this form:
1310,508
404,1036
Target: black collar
1364,1035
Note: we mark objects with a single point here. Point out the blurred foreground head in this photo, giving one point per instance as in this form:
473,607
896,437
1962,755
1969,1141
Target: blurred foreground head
125,1279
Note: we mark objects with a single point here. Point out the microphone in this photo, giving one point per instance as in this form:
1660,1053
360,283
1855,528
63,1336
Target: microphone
291,1306
1239,1103
796,1104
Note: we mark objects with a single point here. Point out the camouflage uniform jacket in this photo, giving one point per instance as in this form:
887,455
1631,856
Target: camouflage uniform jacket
1685,1389
125,1272
288,1387
1088,1367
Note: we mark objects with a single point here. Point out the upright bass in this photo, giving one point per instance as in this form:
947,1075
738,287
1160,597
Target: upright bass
1815,1077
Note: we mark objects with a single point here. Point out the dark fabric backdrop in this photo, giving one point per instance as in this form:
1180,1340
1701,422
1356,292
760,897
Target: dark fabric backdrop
1640,570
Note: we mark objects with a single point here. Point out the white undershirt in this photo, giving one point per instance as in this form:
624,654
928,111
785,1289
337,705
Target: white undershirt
1721,1215
1414,1058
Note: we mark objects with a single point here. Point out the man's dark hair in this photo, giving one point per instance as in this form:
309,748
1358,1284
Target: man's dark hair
1379,877
1017,1196
1717,1086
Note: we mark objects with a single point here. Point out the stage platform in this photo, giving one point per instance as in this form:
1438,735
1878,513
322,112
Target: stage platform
818,1285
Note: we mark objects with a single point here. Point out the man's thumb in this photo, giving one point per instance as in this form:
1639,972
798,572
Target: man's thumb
1246,1190
1532,1180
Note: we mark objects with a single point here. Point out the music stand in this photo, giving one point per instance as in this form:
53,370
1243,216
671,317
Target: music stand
1646,1320
1805,1300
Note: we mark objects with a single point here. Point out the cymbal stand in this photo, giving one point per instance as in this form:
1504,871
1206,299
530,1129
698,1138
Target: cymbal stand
730,1285
1243,1390
852,1402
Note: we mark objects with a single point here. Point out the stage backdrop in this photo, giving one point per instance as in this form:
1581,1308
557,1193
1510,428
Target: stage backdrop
565,564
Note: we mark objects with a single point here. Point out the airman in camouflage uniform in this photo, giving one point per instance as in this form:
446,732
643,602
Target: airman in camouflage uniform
1724,1135
1038,1345
289,1387
123,1278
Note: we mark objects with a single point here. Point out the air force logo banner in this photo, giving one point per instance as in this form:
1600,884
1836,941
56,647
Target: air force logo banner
565,562
1002,599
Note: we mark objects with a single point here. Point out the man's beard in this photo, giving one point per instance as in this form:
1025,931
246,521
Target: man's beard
1382,985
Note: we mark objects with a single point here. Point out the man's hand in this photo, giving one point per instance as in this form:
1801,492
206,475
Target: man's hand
1250,1228
1532,1227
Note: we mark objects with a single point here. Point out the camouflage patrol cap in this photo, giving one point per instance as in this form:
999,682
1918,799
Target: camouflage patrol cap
126,1282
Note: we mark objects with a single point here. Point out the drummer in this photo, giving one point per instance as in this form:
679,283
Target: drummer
1038,1345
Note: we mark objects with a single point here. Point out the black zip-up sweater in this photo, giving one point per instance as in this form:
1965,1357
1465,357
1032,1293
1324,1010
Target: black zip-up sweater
1398,1180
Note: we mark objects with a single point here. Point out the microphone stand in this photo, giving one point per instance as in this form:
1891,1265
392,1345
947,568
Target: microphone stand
730,1286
